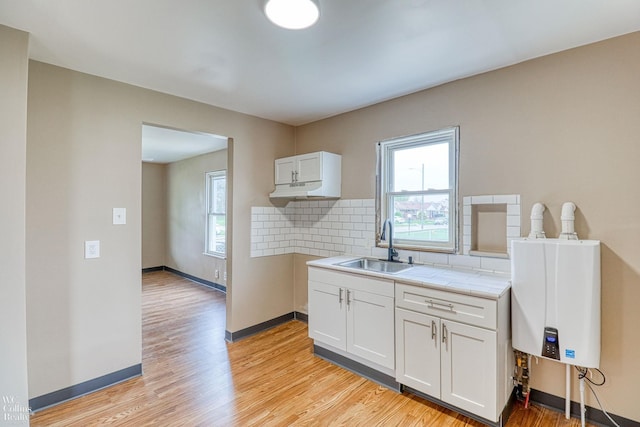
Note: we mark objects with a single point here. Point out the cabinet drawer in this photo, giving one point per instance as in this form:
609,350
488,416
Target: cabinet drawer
447,305
352,281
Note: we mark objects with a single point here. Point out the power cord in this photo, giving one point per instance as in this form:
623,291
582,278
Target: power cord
583,373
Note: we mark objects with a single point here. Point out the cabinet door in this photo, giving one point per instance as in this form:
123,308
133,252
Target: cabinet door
469,368
309,167
418,351
327,322
285,169
370,331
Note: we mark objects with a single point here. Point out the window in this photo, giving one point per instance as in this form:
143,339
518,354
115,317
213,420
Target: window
216,230
417,189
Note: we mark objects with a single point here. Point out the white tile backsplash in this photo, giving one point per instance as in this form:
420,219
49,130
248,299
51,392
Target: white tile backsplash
324,228
336,227
513,220
481,200
507,199
464,261
495,264
433,258
513,231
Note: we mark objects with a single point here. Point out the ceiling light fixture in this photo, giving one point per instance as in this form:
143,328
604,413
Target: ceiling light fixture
292,14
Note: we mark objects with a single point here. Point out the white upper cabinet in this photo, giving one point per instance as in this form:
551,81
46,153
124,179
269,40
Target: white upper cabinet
302,168
308,175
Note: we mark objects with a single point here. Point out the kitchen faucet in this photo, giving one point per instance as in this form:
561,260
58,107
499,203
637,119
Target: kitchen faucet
392,253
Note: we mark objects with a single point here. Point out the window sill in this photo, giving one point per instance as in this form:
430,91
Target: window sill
215,255
432,249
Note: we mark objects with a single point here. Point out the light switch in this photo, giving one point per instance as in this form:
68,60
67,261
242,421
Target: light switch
119,216
92,249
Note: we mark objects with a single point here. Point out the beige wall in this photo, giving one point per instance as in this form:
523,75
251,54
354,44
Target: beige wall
83,159
560,128
186,217
269,280
301,290
13,141
154,214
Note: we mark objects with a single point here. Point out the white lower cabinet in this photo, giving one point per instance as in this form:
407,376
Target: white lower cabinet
450,346
457,363
353,313
327,321
370,327
468,366
418,351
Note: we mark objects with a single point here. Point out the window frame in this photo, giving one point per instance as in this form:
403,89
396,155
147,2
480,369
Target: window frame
384,171
210,178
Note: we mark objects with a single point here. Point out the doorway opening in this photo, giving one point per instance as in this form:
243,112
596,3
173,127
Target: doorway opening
184,209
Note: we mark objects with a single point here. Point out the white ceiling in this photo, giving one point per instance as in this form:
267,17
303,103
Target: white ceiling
164,145
226,53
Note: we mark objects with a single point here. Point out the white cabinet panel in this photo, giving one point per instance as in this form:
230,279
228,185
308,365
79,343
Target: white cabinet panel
309,167
356,282
285,170
469,379
447,305
327,321
370,327
418,351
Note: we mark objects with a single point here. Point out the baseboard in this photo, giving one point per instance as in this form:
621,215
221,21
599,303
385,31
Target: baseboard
360,369
152,269
54,398
592,415
208,283
252,330
301,316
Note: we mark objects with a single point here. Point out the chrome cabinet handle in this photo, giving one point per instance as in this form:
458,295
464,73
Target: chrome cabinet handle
444,333
439,305
434,330
296,179
293,176
348,298
340,296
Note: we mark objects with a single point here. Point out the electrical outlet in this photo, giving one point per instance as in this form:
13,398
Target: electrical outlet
217,274
225,276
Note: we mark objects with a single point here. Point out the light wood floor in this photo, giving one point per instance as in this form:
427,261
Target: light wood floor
192,377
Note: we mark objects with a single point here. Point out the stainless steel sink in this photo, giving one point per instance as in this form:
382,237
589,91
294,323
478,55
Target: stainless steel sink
375,265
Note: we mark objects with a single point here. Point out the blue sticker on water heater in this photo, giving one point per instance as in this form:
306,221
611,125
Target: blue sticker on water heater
570,354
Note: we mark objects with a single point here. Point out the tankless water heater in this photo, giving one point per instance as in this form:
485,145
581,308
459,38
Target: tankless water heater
555,299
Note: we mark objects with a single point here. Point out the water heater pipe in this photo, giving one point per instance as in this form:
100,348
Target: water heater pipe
567,400
582,408
537,232
568,218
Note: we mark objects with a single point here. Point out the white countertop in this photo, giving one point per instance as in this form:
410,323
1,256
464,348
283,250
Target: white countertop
471,282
